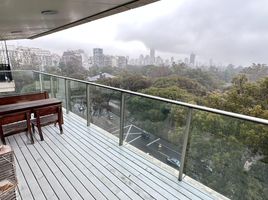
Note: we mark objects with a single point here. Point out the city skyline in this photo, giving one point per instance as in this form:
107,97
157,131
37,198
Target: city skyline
99,58
221,34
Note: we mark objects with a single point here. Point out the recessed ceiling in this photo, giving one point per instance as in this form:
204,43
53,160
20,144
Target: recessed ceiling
21,19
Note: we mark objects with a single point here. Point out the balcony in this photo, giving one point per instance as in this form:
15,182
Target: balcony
116,145
87,163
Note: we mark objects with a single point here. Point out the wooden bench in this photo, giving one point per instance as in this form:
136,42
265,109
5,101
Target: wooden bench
45,116
23,98
12,123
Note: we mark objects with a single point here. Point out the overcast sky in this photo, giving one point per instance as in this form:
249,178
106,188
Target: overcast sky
228,31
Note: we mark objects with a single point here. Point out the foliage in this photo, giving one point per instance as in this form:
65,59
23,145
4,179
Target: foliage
256,72
173,92
73,68
128,82
191,86
220,146
205,78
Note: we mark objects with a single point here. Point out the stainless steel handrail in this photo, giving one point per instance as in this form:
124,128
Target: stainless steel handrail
122,110
188,105
197,107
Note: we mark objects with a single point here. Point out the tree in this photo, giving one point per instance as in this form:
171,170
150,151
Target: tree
128,82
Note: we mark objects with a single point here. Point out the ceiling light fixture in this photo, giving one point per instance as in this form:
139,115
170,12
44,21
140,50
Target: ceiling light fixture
18,31
49,12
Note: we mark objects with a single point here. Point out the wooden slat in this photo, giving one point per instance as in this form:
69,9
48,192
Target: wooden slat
79,173
141,161
39,175
59,190
87,163
102,165
156,184
27,171
60,171
146,183
23,190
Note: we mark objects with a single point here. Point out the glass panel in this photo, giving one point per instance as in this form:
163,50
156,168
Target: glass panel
59,89
156,128
105,107
46,83
18,82
229,155
77,98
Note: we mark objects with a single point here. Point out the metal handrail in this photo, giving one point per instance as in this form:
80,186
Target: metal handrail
179,103
123,92
188,105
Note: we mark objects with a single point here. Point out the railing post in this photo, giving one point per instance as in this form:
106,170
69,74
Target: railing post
52,87
89,117
122,118
185,142
67,95
41,82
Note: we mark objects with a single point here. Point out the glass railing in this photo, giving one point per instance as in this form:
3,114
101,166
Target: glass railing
24,82
225,151
155,127
228,155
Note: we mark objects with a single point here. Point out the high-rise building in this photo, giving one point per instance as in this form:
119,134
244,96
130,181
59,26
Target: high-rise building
72,58
192,59
159,61
147,60
152,56
98,57
141,60
210,62
121,61
108,61
186,61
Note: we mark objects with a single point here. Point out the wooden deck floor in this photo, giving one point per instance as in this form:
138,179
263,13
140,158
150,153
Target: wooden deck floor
87,163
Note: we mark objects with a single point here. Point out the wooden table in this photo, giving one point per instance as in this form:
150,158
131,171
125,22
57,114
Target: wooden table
29,105
10,113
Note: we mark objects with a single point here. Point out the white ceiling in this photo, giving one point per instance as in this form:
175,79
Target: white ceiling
21,19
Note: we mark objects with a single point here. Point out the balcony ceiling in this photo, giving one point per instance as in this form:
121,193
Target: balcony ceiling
23,19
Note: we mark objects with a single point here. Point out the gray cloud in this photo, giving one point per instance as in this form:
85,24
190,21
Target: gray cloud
232,31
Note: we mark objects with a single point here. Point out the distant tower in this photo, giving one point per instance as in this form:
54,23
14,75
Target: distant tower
152,56
210,62
98,57
186,61
192,59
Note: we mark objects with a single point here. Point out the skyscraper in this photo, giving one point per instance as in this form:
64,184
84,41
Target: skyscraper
98,57
152,56
192,59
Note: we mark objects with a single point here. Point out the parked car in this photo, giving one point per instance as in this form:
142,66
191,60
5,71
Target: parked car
145,136
173,161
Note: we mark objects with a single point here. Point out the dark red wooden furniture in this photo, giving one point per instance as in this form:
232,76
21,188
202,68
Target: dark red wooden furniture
13,123
11,110
23,98
45,116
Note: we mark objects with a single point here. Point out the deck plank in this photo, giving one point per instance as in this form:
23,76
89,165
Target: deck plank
87,163
90,166
102,164
41,179
23,188
27,171
123,164
48,172
151,167
87,178
131,159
